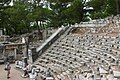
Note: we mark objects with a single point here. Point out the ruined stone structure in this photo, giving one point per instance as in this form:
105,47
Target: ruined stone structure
12,51
86,51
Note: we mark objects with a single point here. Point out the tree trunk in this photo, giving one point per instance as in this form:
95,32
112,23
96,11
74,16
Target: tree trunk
37,26
6,30
27,46
82,10
39,32
16,32
117,6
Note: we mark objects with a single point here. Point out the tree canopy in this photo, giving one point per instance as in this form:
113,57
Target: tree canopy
25,15
103,8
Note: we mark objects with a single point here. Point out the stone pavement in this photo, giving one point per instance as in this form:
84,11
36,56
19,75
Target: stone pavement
14,75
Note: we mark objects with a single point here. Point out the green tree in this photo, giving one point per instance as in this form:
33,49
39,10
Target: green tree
18,22
67,12
4,4
113,7
58,15
76,13
39,15
104,8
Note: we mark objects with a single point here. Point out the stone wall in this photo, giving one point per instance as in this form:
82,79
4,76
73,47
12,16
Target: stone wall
51,40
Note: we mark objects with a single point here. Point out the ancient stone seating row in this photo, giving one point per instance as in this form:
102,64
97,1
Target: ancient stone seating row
107,62
92,57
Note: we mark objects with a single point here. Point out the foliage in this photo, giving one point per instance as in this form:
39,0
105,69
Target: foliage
3,16
66,12
17,19
103,8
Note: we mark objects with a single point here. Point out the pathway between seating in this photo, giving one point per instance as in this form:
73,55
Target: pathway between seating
14,75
